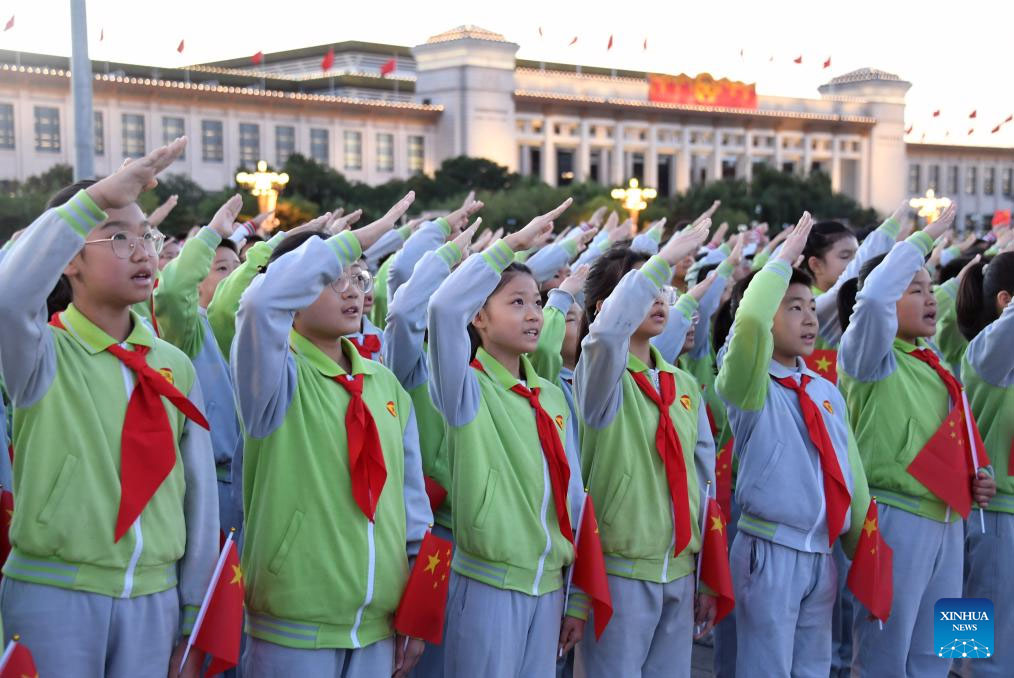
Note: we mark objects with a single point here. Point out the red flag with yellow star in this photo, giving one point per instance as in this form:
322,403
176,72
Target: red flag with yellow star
590,567
870,577
421,610
714,562
723,478
219,624
943,464
17,662
6,516
825,363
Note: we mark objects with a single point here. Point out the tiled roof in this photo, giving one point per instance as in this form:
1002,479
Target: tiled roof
467,31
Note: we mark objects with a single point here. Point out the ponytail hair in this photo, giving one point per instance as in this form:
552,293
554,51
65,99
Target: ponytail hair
850,289
513,270
822,238
604,276
727,312
976,305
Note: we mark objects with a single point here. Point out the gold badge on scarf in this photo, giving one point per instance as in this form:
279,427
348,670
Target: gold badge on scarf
559,421
827,406
168,374
685,402
390,408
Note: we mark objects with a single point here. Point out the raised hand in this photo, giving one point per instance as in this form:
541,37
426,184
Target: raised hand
314,225
685,242
597,217
940,226
159,214
719,237
464,239
343,222
943,242
795,241
122,187
612,221
224,221
574,283
583,237
968,241
538,231
708,213
483,241
458,219
700,289
621,232
736,255
368,234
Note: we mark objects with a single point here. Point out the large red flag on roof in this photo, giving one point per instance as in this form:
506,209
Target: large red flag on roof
328,61
388,67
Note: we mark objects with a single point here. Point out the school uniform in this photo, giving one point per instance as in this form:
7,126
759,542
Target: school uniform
510,490
385,245
104,570
368,341
797,495
545,263
949,339
649,562
327,548
184,324
897,402
988,373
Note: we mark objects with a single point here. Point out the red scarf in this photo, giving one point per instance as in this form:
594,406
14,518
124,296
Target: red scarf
552,450
366,458
667,443
369,346
147,443
836,492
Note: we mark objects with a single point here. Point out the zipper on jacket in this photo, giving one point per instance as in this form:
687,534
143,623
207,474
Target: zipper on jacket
128,576
370,574
545,527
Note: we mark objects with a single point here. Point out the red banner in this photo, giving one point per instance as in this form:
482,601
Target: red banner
703,90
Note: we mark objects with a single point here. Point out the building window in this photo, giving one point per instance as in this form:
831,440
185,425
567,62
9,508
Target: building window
934,178
172,128
100,134
416,154
211,141
249,144
47,129
989,181
1008,180
133,135
385,152
952,179
971,180
285,143
913,178
6,125
320,146
353,150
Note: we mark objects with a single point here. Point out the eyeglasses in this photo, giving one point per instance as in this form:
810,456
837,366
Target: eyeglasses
668,294
361,280
123,243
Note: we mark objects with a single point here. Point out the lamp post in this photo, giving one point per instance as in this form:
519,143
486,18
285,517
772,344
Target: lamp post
634,198
265,186
930,206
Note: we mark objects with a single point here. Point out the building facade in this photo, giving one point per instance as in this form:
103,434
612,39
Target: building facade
381,112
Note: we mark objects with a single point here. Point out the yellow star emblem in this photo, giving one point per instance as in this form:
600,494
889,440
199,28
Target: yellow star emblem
237,575
823,364
716,523
432,564
870,526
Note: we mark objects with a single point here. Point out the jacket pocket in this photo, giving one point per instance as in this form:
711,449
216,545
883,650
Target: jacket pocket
761,483
63,481
616,498
275,566
487,499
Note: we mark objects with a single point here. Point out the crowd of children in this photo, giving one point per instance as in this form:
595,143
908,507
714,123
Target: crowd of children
334,393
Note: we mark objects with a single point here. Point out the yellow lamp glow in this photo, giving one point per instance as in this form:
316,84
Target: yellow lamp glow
634,198
265,186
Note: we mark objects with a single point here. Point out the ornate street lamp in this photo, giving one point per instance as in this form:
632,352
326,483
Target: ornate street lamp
265,186
930,206
634,198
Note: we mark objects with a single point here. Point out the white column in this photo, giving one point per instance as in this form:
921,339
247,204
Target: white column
778,151
651,159
583,161
807,154
835,164
864,172
548,153
683,162
748,155
716,157
618,168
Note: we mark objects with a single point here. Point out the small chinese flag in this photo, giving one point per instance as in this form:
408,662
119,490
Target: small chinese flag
973,114
257,58
936,113
573,41
589,573
943,465
871,576
798,59
421,610
1009,118
995,130
714,561
540,31
10,24
646,43
908,130
179,47
328,61
971,131
436,493
723,478
610,45
1001,218
388,67
827,63
825,363
102,34
17,661
6,516
219,626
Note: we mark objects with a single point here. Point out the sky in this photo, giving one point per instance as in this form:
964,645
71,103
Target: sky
952,53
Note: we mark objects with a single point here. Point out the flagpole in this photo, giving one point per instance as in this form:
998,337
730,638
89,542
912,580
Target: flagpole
570,570
874,501
7,653
971,444
704,526
219,566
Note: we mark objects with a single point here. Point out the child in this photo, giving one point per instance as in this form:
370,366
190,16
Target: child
899,396
986,318
185,289
117,525
332,488
513,467
647,454
800,484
